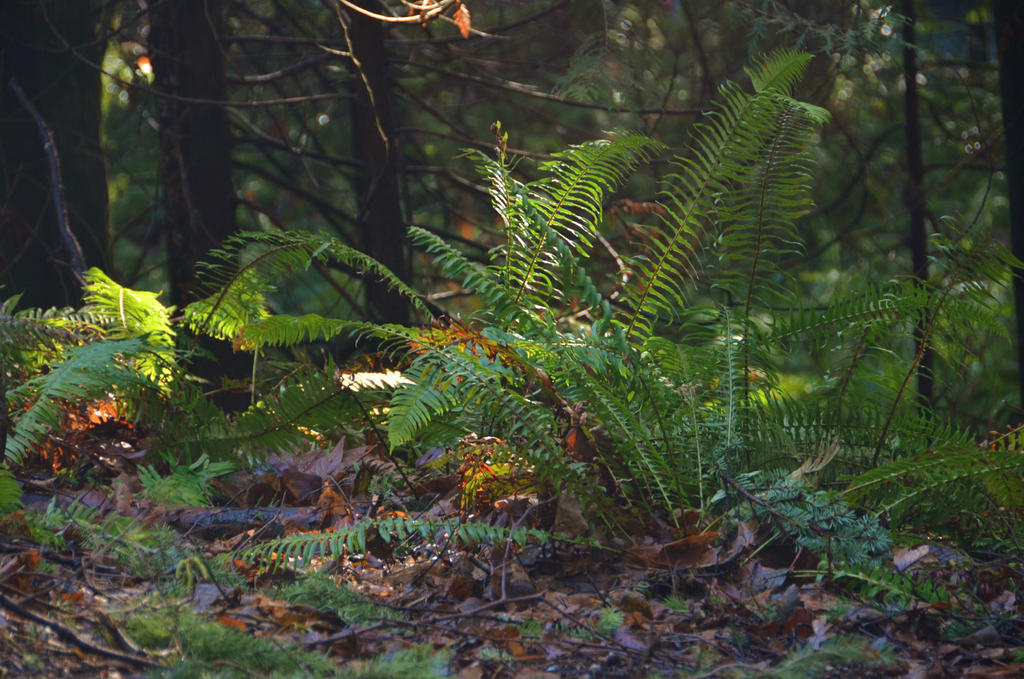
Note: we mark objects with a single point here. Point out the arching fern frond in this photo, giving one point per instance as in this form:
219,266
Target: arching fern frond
129,314
249,265
498,305
934,481
561,211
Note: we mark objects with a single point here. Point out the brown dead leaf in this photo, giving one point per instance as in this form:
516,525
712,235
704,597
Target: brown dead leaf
691,551
459,587
528,673
333,505
335,463
462,20
623,637
228,621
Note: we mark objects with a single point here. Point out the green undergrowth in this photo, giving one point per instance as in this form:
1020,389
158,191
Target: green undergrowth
328,596
142,551
845,655
199,647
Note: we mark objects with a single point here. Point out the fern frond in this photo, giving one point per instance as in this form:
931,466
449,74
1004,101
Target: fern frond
301,548
454,380
249,265
47,331
934,480
286,330
10,492
131,313
294,415
89,372
891,587
498,305
728,147
558,215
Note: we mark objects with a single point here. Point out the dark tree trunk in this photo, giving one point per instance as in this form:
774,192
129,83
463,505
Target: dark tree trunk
380,220
1009,25
198,200
36,42
915,201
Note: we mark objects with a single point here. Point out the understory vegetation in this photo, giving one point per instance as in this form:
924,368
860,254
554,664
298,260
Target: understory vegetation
567,410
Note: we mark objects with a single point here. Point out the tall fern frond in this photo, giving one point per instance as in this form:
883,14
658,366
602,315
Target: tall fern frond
760,217
728,147
558,214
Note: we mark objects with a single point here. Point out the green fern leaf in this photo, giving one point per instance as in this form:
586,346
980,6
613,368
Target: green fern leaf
89,372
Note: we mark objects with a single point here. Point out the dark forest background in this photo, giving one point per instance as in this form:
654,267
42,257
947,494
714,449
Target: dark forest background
180,122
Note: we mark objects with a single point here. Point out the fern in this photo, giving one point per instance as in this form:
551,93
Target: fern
249,265
297,413
129,314
89,372
10,492
743,157
889,587
934,481
557,216
302,548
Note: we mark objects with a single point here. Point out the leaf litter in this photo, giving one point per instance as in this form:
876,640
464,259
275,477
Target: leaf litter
99,579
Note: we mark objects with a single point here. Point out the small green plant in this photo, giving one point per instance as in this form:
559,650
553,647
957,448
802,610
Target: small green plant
143,552
677,603
328,595
214,649
609,620
187,484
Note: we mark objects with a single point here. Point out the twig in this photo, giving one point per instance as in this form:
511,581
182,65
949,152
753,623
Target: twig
68,634
59,204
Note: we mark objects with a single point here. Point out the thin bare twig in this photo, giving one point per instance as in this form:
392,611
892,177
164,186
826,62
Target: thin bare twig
56,185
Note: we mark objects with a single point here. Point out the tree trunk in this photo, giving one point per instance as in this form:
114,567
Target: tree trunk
915,201
65,90
380,221
1009,25
198,200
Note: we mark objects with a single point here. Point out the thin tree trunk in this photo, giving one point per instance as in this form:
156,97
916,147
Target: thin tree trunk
198,200
915,201
1009,25
381,225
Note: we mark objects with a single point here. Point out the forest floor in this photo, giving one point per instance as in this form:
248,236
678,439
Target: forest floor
101,575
